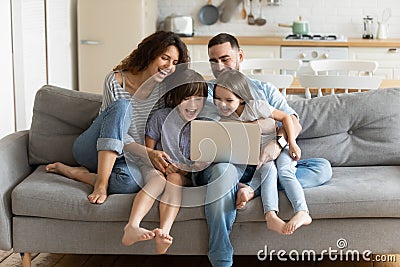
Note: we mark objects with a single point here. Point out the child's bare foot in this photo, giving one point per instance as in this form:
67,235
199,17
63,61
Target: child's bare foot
163,241
274,223
68,171
134,234
244,194
300,218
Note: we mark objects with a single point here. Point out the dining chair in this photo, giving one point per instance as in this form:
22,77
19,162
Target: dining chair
279,72
334,82
343,68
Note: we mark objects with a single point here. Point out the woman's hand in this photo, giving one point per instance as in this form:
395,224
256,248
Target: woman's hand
269,152
294,151
159,159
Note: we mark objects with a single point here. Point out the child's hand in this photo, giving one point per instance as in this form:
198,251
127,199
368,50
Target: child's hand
294,151
171,169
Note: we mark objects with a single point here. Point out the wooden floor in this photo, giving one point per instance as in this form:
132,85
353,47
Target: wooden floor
10,259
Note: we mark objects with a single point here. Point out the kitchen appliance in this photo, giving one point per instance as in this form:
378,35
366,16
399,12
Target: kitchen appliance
181,25
101,47
309,53
367,29
315,37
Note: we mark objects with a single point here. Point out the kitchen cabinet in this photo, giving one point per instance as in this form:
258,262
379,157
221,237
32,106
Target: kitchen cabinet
200,52
388,59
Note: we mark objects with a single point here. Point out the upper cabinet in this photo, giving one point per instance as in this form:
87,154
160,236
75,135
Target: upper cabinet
108,31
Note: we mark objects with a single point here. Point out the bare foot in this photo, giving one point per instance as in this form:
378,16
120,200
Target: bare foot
244,194
300,218
99,195
163,241
134,234
80,174
274,223
68,171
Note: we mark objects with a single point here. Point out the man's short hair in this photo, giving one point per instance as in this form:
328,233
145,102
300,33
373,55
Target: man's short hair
222,38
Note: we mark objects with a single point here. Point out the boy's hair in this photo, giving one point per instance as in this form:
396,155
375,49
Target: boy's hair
224,38
236,82
187,83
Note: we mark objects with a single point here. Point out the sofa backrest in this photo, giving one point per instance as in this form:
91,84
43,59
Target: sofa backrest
59,116
348,130
354,129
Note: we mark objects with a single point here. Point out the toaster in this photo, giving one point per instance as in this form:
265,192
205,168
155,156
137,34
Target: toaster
181,25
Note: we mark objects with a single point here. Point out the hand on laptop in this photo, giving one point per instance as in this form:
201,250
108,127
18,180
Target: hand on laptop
269,152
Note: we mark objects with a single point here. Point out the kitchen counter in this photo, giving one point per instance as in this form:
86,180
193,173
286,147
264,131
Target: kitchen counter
255,40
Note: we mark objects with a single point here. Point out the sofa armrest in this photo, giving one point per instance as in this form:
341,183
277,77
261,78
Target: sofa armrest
14,168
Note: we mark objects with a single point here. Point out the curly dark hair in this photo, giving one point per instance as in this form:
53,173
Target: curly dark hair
150,48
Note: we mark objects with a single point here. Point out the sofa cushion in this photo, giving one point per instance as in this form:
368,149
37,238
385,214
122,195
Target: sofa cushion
372,191
59,116
354,129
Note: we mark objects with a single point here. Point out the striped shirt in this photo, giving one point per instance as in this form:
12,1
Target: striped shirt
141,108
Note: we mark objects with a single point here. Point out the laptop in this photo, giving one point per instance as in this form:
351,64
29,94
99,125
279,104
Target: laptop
233,142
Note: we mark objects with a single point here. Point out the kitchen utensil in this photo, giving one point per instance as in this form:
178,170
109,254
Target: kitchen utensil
386,14
243,13
208,14
250,17
367,30
260,20
299,27
227,9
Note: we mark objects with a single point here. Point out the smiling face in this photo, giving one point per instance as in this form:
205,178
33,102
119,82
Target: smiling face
227,102
223,57
190,107
164,64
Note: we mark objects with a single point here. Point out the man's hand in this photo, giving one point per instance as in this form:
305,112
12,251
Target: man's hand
269,152
171,169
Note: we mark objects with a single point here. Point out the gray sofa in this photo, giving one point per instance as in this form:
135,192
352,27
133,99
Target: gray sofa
358,133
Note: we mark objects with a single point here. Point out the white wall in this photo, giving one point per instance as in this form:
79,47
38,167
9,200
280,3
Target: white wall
29,44
7,125
343,17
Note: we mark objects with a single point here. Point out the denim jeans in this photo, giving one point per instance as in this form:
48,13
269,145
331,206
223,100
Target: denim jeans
106,133
220,209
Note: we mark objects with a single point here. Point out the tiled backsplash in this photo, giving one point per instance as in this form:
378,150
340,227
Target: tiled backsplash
343,17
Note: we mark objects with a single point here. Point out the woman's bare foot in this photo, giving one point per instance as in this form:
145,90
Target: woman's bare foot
163,241
300,218
80,174
68,171
274,223
244,194
99,195
134,234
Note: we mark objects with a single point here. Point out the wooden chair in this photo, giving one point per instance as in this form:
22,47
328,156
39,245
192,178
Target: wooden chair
334,82
279,72
329,68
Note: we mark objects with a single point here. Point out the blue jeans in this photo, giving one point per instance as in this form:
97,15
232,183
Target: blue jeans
283,170
106,133
221,211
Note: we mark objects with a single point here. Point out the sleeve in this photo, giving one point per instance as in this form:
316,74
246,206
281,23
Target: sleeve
263,109
154,124
108,88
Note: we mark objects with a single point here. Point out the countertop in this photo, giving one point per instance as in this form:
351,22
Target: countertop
256,40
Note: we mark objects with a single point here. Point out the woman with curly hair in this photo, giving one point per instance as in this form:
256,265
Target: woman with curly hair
132,91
